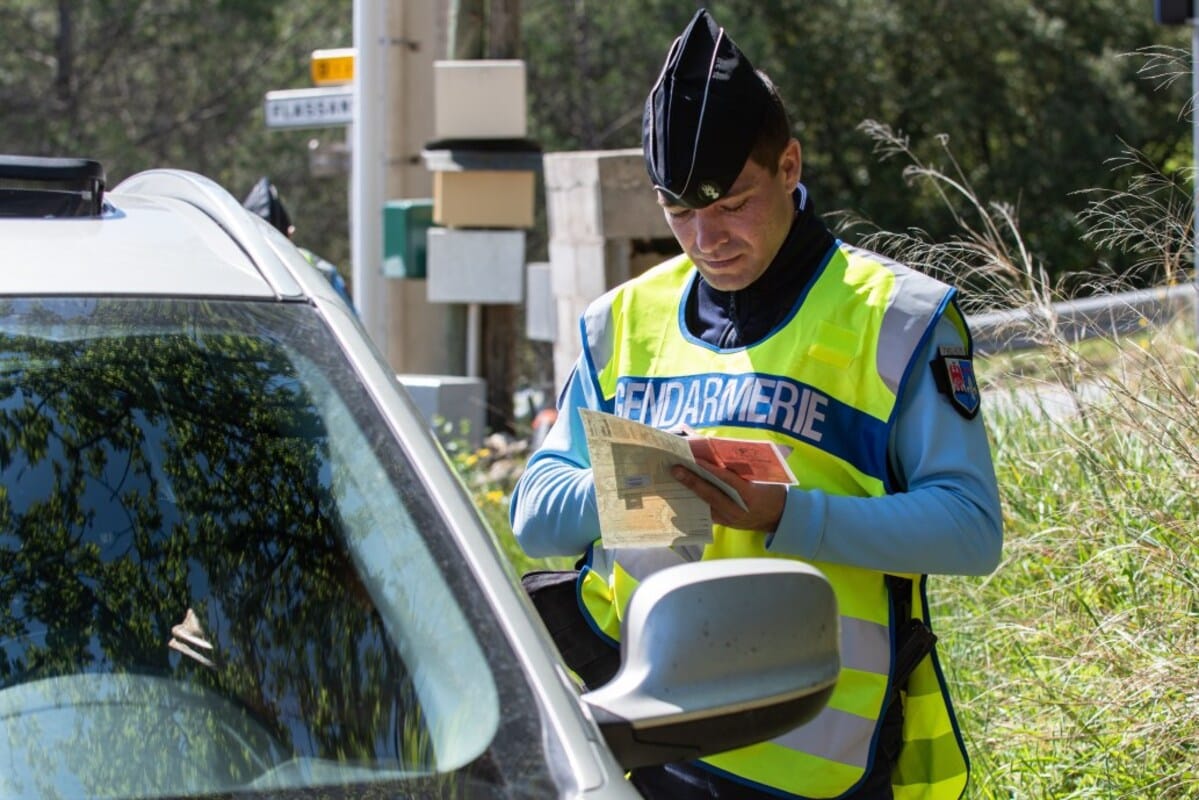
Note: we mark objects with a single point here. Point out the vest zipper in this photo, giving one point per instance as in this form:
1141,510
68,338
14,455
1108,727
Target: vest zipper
731,335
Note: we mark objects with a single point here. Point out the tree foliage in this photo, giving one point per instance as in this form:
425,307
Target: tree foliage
1035,95
174,83
156,474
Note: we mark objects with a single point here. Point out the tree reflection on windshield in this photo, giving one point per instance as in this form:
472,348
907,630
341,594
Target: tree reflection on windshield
148,475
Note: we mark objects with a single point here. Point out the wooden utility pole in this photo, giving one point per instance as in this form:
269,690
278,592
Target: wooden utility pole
467,29
492,30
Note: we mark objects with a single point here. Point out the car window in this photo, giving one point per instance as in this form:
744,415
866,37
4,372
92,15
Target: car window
219,571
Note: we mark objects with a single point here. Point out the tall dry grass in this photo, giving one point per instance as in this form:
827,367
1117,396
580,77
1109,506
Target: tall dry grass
1075,665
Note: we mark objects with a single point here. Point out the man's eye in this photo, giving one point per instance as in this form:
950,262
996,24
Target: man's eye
678,213
736,206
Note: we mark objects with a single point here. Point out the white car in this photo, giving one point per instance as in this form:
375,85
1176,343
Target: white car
235,560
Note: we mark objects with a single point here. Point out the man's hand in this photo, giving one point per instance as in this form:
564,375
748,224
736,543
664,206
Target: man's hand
763,501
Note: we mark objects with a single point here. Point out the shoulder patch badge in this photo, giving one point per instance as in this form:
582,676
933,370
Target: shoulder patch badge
954,373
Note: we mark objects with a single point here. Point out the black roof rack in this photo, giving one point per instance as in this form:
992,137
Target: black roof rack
33,186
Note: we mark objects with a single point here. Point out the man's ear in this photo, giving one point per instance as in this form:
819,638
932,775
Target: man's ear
791,163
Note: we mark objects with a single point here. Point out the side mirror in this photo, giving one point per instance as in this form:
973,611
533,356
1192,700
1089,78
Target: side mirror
718,655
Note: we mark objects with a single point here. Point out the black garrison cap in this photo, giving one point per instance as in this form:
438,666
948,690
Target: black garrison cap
702,116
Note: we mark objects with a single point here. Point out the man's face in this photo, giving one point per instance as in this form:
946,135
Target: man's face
733,241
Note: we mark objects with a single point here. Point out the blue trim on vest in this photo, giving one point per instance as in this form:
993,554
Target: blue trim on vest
760,401
680,317
803,295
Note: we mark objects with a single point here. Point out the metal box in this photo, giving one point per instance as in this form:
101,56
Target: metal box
405,237
476,266
459,401
483,199
479,99
541,318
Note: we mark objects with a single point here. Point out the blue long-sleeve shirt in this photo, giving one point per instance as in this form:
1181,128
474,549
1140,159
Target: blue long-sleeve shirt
945,519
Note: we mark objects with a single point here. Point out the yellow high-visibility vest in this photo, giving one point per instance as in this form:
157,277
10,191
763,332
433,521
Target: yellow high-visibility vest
824,386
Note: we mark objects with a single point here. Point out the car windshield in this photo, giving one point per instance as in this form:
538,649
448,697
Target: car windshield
219,572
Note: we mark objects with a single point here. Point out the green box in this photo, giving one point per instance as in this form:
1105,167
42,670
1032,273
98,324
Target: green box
405,237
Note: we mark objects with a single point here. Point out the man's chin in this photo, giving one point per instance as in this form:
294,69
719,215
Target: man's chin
725,280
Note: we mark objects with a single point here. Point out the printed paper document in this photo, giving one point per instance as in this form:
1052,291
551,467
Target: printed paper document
640,504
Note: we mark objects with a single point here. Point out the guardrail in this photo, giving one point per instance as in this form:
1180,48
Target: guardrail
1105,315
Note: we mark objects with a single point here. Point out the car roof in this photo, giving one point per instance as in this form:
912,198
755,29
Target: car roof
162,232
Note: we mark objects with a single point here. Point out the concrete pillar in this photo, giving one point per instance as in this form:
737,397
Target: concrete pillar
397,42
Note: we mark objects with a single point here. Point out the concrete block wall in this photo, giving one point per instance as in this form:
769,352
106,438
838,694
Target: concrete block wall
597,203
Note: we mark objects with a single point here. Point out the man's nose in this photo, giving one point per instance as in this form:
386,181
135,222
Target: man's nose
710,231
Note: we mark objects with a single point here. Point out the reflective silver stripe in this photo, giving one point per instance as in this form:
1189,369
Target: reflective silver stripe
910,311
835,735
639,562
865,646
597,329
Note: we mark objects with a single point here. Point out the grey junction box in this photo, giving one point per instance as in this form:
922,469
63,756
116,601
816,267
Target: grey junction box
452,399
541,318
476,265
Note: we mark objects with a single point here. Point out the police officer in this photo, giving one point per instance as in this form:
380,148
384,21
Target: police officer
769,327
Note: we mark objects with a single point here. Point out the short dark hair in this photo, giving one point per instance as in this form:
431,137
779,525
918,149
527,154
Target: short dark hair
774,131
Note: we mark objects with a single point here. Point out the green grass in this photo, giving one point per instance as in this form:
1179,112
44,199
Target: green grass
1075,666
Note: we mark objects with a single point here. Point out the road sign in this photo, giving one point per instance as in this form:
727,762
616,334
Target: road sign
309,108
332,67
